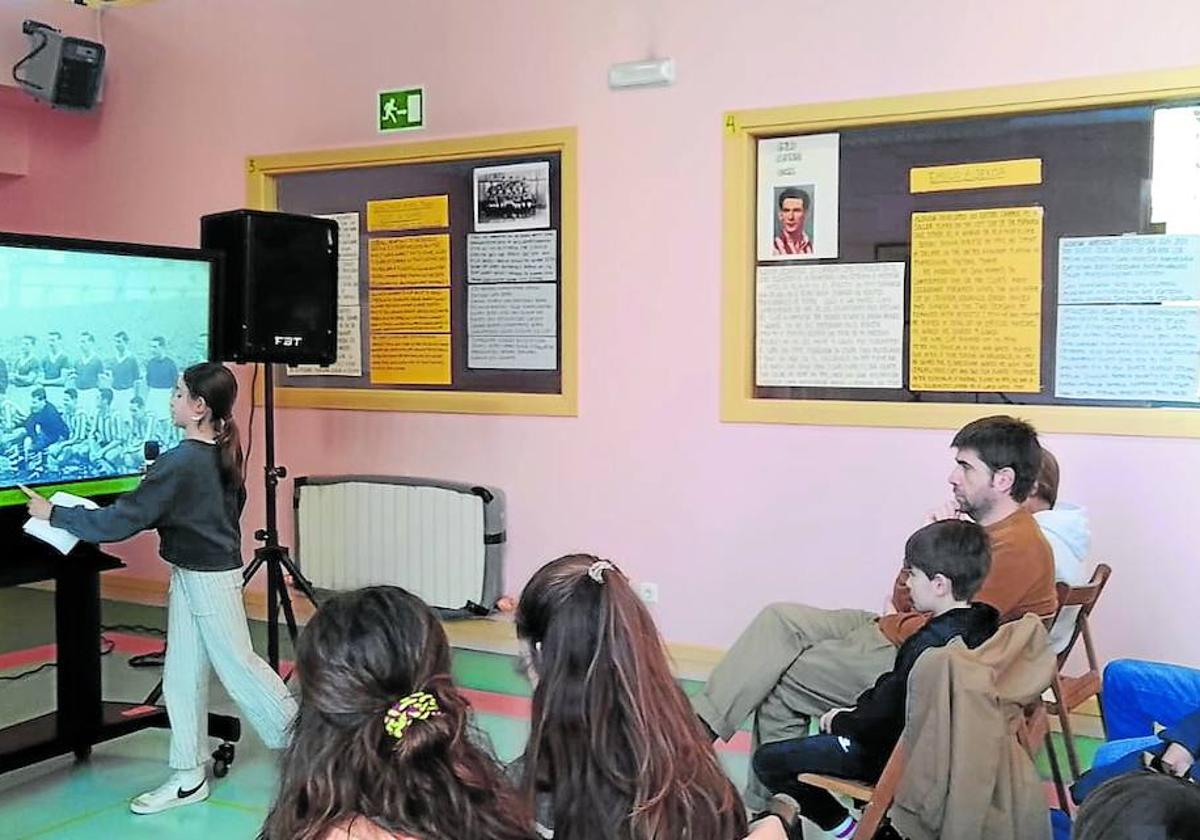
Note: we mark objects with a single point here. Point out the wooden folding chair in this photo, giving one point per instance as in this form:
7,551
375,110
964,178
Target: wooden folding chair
1070,692
1033,734
877,798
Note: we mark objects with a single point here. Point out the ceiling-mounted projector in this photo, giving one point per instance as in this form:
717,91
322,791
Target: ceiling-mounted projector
61,70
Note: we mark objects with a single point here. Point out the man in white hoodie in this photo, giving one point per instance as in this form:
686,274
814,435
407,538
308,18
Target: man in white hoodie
1065,527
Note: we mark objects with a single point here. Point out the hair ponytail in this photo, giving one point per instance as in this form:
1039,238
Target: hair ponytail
425,738
361,655
233,465
216,385
613,739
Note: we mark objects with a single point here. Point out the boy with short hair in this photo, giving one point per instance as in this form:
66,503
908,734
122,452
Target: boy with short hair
947,562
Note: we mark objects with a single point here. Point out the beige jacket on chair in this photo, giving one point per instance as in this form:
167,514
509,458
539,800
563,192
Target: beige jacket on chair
967,776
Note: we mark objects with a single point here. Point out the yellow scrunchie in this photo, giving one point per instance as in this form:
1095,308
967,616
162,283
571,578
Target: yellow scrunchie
420,705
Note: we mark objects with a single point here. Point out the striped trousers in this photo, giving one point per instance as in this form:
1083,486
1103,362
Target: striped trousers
206,627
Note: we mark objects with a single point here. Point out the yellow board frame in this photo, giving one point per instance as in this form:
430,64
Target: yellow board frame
743,129
262,172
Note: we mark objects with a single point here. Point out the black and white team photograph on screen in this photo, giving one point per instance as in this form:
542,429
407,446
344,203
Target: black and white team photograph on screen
65,418
90,357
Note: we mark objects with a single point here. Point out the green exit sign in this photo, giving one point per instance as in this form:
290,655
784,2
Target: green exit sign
400,110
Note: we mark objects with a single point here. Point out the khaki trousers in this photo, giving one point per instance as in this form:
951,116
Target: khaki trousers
793,663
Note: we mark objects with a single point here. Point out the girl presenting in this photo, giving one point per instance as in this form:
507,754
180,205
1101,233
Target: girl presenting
193,496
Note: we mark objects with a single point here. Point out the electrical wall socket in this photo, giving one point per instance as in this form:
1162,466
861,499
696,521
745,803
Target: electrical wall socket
648,592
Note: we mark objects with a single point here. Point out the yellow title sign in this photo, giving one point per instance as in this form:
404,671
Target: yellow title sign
425,211
975,176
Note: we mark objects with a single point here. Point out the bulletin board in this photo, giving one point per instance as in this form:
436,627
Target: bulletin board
457,272
919,261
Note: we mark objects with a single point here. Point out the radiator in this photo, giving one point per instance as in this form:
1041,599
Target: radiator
440,540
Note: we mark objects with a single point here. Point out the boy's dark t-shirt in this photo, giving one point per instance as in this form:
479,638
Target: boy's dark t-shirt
878,717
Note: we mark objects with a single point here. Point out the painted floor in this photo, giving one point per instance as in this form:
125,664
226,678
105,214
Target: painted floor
70,800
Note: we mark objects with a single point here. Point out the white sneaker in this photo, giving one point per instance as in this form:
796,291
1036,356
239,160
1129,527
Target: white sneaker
181,789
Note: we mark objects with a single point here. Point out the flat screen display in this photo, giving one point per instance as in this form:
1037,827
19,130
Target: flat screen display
93,336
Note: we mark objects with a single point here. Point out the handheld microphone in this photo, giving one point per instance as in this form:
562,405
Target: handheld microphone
150,452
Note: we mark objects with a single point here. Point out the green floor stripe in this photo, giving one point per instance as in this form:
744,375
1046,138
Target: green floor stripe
1085,748
494,672
75,820
234,806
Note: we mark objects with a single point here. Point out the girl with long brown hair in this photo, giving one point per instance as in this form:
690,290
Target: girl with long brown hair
383,746
193,496
615,751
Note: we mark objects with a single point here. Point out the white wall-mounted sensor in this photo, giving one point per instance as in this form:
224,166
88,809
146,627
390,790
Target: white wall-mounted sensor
650,73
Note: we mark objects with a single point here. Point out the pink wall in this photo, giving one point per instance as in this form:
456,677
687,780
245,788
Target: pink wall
722,517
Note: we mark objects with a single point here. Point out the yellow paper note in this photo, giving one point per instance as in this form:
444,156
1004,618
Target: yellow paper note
409,260
410,359
974,176
422,212
976,311
410,310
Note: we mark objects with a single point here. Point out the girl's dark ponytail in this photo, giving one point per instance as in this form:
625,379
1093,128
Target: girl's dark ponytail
613,739
216,384
229,440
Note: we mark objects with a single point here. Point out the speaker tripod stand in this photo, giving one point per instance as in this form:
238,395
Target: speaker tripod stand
271,554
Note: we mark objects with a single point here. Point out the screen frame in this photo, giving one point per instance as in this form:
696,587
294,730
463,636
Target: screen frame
111,485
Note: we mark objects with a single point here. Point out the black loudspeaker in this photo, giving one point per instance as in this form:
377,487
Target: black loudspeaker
276,298
61,70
